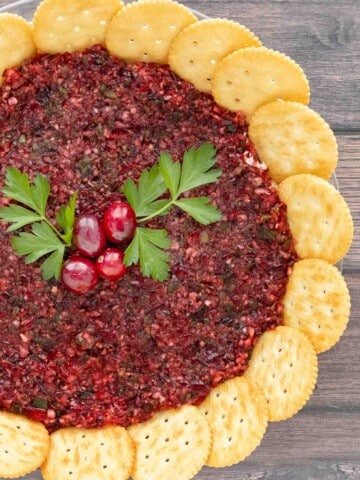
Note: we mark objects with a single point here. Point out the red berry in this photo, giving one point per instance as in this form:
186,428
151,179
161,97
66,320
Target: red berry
89,236
119,222
110,264
79,274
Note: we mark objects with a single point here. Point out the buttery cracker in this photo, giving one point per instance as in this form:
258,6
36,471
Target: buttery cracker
237,414
290,138
196,51
284,366
143,30
317,302
319,218
251,77
14,30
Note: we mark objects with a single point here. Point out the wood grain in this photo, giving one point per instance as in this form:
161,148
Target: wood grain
322,442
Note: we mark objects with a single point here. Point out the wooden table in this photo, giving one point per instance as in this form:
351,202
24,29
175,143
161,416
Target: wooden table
322,442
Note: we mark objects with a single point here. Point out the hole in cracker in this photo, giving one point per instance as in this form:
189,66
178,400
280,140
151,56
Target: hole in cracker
241,420
145,26
229,82
223,416
103,22
237,100
59,18
213,61
167,460
6,451
186,422
77,28
158,41
206,413
104,466
319,327
132,40
218,395
172,27
191,62
208,79
146,457
234,399
195,43
229,439
285,391
68,450
102,444
186,443
167,439
166,420
70,473
18,427
291,365
83,436
147,437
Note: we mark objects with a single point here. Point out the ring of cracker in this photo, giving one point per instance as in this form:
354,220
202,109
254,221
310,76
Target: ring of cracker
14,30
319,218
196,51
284,366
238,416
317,302
81,454
24,445
251,77
290,138
68,26
144,30
172,442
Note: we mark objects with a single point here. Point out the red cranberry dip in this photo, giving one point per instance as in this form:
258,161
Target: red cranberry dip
125,350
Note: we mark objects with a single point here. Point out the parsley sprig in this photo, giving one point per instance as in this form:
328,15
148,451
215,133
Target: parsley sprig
45,238
174,178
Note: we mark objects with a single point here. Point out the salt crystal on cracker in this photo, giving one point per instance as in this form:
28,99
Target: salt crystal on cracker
105,453
251,77
24,445
14,31
319,218
317,302
144,30
71,25
196,51
284,366
173,444
290,138
237,414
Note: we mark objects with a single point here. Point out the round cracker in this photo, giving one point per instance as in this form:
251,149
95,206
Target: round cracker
144,30
237,414
72,25
172,442
290,138
24,445
196,51
81,454
251,77
14,30
319,218
317,302
284,365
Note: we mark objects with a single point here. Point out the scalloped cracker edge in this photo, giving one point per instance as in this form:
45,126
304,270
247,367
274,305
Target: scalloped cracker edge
196,51
317,302
14,30
238,416
319,218
290,138
251,77
284,366
144,30
66,26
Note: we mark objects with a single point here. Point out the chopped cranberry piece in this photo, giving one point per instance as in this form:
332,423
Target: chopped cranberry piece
89,236
119,222
110,264
79,274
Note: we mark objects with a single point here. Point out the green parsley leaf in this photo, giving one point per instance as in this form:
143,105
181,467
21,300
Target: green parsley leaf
150,187
200,209
146,246
171,172
18,216
196,168
18,188
45,238
66,219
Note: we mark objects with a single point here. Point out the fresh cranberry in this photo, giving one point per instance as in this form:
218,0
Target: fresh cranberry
89,235
79,274
110,264
119,222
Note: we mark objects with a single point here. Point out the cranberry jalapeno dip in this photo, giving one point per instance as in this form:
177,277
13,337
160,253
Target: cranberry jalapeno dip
125,350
